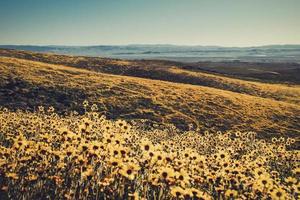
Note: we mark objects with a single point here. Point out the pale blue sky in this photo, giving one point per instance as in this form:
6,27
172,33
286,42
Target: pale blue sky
190,22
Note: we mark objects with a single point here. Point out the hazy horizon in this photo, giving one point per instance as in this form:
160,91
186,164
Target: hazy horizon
196,22
148,44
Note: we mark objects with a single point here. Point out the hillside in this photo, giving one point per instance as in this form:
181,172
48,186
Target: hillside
26,84
195,74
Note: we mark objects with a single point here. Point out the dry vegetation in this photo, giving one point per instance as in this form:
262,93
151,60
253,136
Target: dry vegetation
27,84
259,71
46,156
193,73
279,92
186,136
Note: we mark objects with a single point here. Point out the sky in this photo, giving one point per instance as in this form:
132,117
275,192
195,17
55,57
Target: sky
121,22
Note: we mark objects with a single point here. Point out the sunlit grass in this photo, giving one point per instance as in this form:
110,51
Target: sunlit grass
45,155
27,84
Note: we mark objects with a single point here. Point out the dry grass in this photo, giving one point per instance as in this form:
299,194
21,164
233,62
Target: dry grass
29,84
170,71
280,92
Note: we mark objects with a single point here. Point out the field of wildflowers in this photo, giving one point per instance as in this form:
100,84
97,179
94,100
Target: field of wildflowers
44,155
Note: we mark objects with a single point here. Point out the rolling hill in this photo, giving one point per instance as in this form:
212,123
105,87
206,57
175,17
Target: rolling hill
162,93
195,74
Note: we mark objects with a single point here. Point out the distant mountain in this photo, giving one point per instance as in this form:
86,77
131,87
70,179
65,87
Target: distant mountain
269,53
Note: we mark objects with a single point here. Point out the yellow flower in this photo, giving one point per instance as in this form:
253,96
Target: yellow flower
231,193
153,179
296,171
126,127
188,194
85,103
121,123
198,194
81,160
115,162
149,155
279,194
51,109
83,147
222,155
94,107
291,180
95,145
87,173
259,171
146,145
12,176
274,140
124,151
114,151
177,192
129,170
263,182
166,173
183,177
32,177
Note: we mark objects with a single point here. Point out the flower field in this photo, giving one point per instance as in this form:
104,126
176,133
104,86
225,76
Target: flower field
44,155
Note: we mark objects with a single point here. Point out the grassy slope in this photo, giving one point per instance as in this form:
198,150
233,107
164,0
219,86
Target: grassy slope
167,71
26,83
257,71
